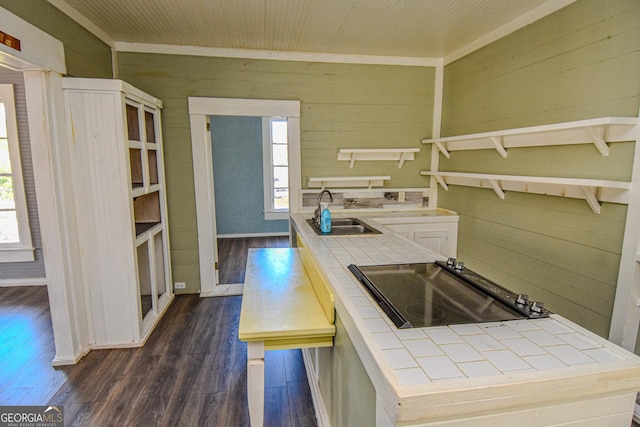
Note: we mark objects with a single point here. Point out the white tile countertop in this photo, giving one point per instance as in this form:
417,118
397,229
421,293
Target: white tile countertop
423,360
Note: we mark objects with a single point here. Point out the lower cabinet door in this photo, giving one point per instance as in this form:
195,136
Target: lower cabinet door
442,238
436,240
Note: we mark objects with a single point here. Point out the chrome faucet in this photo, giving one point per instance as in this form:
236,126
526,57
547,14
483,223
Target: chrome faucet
316,213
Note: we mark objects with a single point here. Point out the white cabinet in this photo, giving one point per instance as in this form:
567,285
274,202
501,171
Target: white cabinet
437,233
438,240
120,204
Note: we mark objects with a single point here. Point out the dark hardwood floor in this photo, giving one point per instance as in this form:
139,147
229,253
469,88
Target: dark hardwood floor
232,255
26,347
191,372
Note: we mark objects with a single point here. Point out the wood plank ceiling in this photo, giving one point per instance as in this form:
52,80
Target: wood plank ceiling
403,28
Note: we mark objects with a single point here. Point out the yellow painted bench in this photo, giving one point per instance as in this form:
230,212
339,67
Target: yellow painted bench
286,304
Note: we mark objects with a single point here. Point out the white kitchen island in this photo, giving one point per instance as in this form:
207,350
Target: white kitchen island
545,372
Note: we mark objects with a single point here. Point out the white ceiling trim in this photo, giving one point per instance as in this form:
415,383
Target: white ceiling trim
518,23
84,22
276,55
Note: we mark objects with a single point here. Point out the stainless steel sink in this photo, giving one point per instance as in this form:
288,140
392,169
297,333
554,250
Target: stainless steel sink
344,221
345,227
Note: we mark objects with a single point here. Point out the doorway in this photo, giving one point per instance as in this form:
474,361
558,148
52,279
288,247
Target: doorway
200,110
42,63
245,196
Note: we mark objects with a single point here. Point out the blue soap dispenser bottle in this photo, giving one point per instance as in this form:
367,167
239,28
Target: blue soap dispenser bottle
325,219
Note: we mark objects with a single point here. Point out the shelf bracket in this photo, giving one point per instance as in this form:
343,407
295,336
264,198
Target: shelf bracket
600,143
496,187
352,161
592,201
403,157
441,181
497,141
443,149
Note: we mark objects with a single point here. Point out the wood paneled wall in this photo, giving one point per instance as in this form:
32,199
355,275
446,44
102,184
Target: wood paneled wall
343,106
581,62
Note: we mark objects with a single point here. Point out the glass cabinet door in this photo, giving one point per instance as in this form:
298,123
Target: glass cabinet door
150,126
133,123
144,279
135,160
160,272
143,139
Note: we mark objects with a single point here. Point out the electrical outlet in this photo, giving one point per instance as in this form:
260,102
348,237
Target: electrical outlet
179,285
401,196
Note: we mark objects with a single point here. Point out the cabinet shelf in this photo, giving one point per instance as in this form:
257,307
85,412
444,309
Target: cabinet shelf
348,181
593,191
396,154
600,132
143,227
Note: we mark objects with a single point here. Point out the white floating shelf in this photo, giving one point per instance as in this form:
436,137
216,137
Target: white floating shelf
599,132
593,191
396,154
348,181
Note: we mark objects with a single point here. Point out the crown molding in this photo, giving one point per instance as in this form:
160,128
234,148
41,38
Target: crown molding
522,21
72,13
275,55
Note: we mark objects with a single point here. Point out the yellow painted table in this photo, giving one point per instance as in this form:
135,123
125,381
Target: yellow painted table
280,310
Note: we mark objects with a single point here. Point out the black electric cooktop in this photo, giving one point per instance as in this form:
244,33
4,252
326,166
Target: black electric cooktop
441,293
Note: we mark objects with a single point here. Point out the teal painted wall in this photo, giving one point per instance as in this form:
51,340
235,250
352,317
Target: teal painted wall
581,62
238,177
342,106
85,54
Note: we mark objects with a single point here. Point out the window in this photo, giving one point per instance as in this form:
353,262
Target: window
15,235
276,168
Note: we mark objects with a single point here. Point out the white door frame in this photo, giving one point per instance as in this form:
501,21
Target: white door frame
199,111
40,58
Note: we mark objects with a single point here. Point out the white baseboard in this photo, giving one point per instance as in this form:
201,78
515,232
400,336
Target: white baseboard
7,283
70,360
322,416
243,235
224,290
112,346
